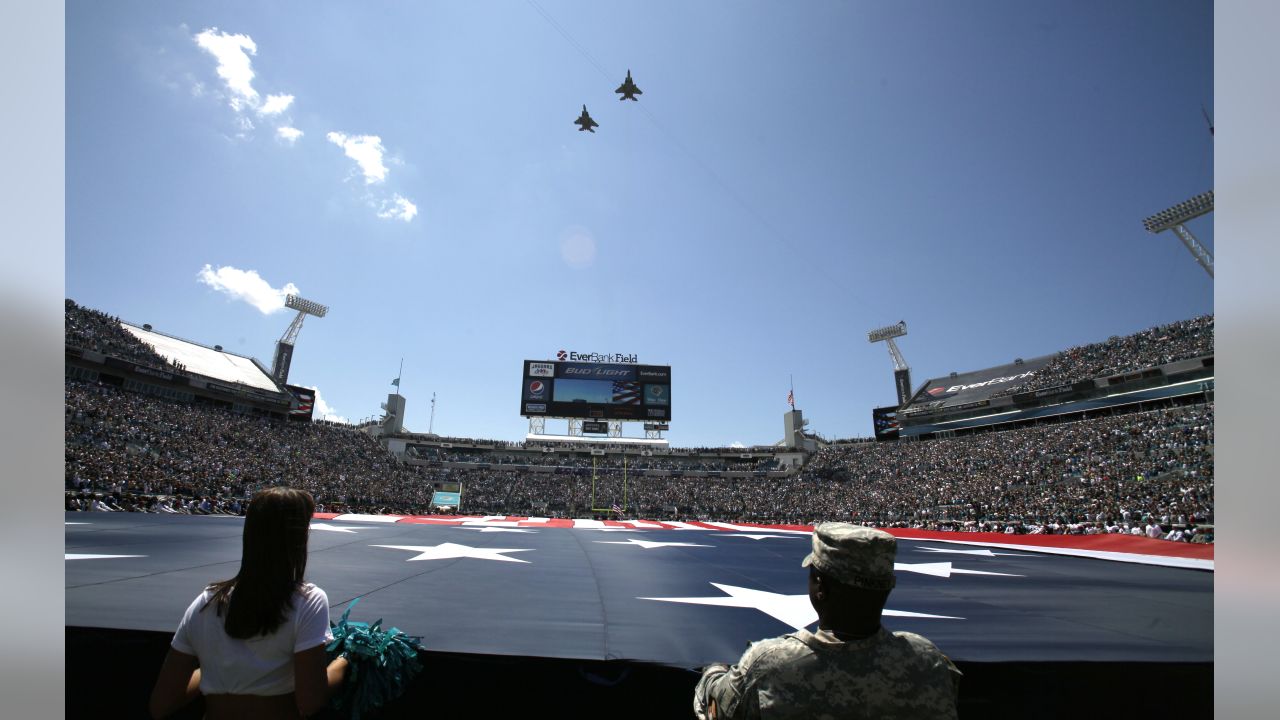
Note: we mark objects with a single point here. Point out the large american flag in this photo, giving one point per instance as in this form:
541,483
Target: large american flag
682,594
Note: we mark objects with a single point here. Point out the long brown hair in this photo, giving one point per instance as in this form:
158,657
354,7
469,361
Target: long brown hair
273,560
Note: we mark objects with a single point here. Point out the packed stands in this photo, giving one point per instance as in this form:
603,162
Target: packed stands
1155,346
132,446
1140,473
1124,468
131,451
89,329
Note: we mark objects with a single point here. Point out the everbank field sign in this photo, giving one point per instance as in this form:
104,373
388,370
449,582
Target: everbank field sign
595,357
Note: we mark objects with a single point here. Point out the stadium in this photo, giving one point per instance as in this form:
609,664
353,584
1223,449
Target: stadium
1080,485
1026,527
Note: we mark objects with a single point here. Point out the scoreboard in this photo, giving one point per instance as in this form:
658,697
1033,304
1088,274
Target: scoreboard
596,391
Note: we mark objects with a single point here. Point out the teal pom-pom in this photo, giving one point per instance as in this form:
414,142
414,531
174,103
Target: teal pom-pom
383,664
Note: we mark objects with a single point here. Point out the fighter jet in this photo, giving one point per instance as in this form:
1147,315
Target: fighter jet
585,122
628,89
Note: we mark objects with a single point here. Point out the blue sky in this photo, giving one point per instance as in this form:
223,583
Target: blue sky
793,176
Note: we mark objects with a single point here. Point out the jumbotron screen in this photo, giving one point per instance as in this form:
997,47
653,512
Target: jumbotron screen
596,391
885,422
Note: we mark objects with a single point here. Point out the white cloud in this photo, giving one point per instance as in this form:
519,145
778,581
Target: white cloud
736,444
275,104
367,151
323,410
234,66
248,286
399,208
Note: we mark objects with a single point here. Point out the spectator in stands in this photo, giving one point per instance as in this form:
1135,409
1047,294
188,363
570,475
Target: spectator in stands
257,651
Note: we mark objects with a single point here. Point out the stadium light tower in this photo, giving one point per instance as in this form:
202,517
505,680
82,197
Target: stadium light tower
1176,218
901,372
284,348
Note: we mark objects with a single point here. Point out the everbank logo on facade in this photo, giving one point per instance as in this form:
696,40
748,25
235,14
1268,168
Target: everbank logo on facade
595,357
985,383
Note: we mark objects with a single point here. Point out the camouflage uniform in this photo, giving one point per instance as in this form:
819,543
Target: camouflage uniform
808,675
818,675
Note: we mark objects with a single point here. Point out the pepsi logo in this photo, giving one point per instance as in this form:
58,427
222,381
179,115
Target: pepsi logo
536,386
655,390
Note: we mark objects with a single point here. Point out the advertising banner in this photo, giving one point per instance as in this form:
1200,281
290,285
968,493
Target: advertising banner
445,499
284,358
902,383
965,388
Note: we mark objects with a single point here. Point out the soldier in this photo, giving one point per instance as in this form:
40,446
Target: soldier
852,667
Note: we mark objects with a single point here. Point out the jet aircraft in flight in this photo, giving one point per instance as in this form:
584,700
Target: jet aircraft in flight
585,122
628,89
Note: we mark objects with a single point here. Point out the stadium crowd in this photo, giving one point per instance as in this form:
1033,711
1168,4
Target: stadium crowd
132,446
605,462
1118,355
1126,473
89,329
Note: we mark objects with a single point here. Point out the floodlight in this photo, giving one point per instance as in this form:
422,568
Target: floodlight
1175,219
1178,214
888,332
301,304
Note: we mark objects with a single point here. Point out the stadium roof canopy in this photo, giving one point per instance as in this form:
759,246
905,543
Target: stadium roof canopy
199,359
977,385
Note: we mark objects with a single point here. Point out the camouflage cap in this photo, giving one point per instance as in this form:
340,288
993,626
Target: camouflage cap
854,555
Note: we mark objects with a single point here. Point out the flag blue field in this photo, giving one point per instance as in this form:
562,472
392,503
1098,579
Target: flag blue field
675,594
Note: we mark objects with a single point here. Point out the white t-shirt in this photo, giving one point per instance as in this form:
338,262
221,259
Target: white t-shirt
262,665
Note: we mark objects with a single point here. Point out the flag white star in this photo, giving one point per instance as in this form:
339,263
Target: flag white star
793,610
332,528
754,536
983,553
650,544
943,569
76,523
446,551
79,556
